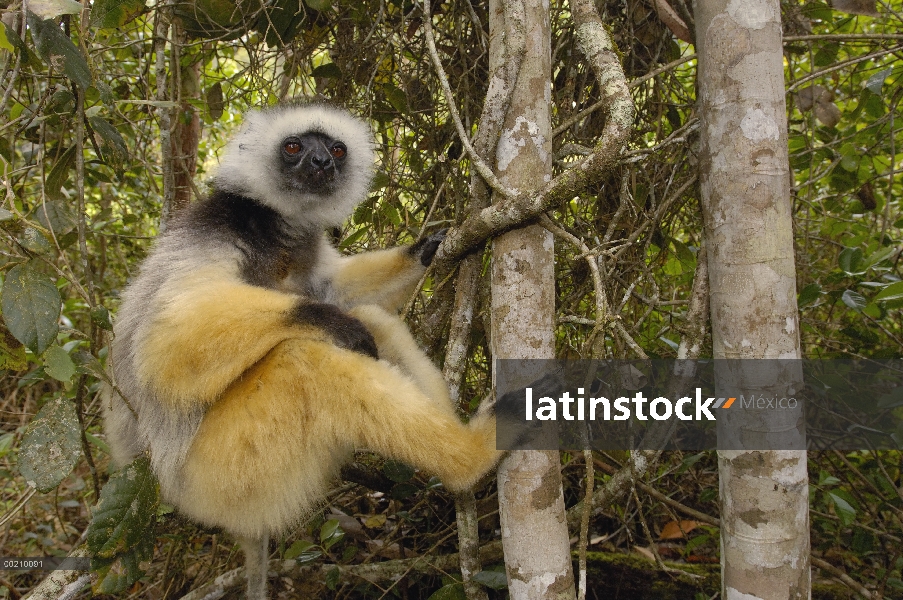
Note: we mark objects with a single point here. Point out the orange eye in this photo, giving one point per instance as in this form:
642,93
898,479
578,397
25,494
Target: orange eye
338,151
292,147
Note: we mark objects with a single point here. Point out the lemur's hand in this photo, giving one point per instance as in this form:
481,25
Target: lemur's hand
426,248
346,331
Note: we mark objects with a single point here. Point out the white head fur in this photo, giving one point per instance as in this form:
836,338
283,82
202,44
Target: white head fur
250,162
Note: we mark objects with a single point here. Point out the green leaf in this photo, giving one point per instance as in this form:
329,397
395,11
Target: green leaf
452,591
396,97
126,513
62,102
112,14
58,364
878,256
328,71
808,295
854,300
35,241
873,310
849,157
115,576
876,81
299,548
100,316
56,49
57,216
398,471
59,174
495,580
12,352
892,292
850,261
403,491
329,529
31,307
843,508
4,41
319,5
51,445
332,578
87,364
112,147
50,9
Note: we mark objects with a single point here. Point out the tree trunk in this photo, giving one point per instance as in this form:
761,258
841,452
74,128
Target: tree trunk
745,180
531,504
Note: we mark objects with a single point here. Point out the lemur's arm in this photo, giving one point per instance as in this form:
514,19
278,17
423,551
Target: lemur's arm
384,277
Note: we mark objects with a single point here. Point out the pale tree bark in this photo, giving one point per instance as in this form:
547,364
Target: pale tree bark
745,181
531,504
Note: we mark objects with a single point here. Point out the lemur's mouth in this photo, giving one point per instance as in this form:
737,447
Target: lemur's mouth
318,179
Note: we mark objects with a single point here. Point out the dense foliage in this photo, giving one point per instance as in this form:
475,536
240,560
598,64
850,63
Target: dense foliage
101,119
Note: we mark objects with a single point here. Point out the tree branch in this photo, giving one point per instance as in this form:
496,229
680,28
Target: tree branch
596,45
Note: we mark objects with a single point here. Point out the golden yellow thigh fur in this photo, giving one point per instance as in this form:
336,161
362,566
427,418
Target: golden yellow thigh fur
268,449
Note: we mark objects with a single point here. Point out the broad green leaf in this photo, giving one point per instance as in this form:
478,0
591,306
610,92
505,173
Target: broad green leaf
112,14
87,364
101,317
872,310
452,591
57,216
850,157
398,471
62,102
876,81
331,533
672,267
319,5
850,261
112,146
496,580
892,292
51,445
12,352
328,70
35,241
4,41
396,97
125,515
809,294
115,576
58,364
403,491
878,255
299,548
31,307
59,174
854,300
56,49
843,508
332,578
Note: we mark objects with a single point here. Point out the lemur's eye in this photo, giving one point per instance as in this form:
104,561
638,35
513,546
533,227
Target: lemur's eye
338,151
292,147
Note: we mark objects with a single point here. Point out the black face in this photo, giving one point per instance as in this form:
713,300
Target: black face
312,161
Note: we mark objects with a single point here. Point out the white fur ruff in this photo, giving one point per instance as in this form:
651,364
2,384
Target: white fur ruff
250,162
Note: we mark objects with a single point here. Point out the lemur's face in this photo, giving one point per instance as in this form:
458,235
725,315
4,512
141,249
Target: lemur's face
312,162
